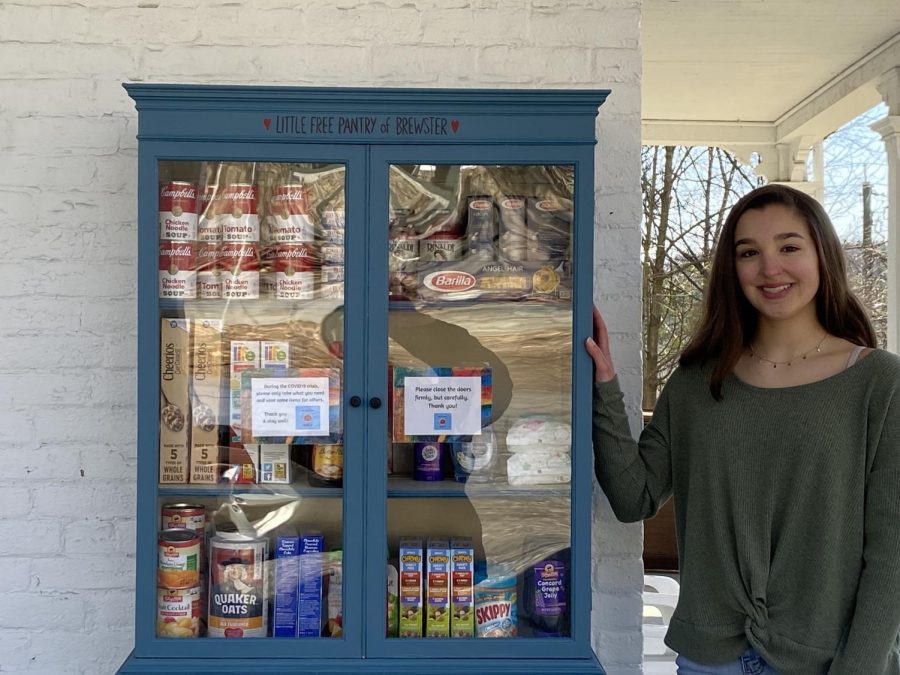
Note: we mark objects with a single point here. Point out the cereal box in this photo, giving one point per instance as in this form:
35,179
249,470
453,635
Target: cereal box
334,574
462,602
244,356
310,596
411,587
437,621
174,400
287,581
393,600
207,399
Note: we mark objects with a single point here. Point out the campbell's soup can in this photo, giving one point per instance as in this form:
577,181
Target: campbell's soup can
237,600
178,612
294,271
209,225
441,246
289,218
207,255
209,285
178,211
268,282
237,209
179,559
240,270
177,273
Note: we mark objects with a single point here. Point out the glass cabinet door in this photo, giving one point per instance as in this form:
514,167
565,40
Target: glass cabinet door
479,446
251,432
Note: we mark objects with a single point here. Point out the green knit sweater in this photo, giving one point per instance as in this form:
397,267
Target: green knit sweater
787,513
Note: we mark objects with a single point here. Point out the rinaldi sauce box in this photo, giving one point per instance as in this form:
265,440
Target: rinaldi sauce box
462,582
437,621
207,400
310,596
411,587
287,582
174,400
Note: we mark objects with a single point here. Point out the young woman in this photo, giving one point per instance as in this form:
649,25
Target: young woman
779,437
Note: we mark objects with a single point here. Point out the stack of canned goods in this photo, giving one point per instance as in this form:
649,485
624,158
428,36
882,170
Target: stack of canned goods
332,227
179,577
177,240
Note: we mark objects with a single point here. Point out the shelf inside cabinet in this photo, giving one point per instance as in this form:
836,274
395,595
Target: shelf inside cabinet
274,491
404,486
263,307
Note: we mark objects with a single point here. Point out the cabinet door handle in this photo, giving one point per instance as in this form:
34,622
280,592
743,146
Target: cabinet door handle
355,401
375,402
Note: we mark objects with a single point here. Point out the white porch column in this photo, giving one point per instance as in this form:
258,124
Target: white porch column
889,128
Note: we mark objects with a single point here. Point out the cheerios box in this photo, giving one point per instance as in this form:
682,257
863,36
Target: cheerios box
174,403
208,395
462,582
437,618
410,587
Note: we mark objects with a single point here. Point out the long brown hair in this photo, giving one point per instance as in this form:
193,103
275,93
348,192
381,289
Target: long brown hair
729,321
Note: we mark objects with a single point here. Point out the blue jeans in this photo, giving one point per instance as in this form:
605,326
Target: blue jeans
750,663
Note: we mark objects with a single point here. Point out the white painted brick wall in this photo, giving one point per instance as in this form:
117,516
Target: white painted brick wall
67,224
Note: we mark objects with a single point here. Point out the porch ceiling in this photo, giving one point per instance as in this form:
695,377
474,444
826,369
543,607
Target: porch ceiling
768,63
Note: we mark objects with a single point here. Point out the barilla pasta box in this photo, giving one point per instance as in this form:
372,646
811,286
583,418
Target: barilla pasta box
462,584
410,587
274,463
207,394
174,400
437,621
285,609
310,595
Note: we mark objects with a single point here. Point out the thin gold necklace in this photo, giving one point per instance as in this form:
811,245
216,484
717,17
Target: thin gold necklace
818,348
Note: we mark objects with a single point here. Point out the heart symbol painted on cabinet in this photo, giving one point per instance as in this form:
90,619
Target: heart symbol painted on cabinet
267,122
454,124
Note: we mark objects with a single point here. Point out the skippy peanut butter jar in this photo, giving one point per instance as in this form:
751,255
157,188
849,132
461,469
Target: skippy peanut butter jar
495,607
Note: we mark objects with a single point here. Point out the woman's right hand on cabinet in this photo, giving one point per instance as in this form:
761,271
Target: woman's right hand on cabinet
598,349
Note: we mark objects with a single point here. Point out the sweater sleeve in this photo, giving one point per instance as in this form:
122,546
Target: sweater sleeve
636,477
873,630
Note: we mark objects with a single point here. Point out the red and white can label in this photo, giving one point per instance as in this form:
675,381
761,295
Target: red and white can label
240,270
208,256
178,612
238,214
268,284
294,276
209,225
209,285
178,211
289,216
177,275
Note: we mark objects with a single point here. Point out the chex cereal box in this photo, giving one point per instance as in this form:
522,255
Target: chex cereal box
411,587
437,618
462,582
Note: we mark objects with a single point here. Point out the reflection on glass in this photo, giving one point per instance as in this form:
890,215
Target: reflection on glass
480,360
251,268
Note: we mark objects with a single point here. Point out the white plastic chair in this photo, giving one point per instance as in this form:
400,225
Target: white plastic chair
660,597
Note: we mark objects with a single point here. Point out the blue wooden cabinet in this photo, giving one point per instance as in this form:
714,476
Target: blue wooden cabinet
360,319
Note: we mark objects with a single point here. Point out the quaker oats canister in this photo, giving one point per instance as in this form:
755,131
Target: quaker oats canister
237,602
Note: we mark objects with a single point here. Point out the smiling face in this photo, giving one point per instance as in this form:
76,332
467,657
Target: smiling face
776,263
